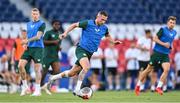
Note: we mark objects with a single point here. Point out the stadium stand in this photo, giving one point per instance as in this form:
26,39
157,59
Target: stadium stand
133,11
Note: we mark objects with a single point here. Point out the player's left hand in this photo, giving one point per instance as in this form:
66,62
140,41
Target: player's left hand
117,42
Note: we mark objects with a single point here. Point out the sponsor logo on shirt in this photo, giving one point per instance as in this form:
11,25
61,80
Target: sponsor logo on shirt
38,60
32,26
171,34
97,30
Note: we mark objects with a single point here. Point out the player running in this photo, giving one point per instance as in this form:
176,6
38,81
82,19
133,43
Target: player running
163,46
52,47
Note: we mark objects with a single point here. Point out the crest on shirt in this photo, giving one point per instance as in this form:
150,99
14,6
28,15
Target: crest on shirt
53,35
84,54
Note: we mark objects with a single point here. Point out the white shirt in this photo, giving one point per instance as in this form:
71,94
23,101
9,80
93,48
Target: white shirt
132,63
72,56
177,60
3,66
96,62
111,56
145,43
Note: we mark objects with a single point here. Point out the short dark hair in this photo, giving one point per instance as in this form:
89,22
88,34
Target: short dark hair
103,13
35,9
172,18
54,21
147,31
23,30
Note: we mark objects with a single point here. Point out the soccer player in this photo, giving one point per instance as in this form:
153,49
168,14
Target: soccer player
34,41
52,47
163,46
92,33
17,51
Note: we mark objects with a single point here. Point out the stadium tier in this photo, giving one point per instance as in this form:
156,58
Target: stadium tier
9,13
121,11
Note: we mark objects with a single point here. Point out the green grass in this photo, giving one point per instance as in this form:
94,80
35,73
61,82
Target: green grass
98,97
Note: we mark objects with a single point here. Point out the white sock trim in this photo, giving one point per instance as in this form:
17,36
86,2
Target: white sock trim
160,84
78,85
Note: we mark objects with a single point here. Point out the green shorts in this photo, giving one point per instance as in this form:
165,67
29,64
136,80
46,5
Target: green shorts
80,53
48,61
158,58
34,53
27,67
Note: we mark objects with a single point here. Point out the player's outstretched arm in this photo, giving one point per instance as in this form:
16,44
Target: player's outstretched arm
108,36
70,28
156,39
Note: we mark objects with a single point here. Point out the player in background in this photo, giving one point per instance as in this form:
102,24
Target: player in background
17,51
132,65
35,46
177,68
144,45
111,60
163,39
51,48
92,33
96,67
72,59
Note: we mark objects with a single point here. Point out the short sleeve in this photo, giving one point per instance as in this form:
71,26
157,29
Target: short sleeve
46,36
83,24
159,33
42,27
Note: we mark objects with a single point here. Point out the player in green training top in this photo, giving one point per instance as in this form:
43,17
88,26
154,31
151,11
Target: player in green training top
52,46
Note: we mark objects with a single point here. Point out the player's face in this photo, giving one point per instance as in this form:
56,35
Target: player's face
35,15
56,25
101,19
23,34
171,24
148,35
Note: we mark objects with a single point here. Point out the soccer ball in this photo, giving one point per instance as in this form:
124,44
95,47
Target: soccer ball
86,93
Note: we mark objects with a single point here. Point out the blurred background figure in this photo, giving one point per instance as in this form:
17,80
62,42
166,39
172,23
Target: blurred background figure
111,62
17,51
177,68
4,72
72,59
132,65
96,68
51,58
144,44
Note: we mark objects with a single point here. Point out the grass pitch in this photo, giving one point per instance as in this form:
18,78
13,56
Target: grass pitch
98,97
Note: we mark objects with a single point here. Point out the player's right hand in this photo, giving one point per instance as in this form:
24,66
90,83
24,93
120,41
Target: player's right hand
167,45
62,36
25,47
